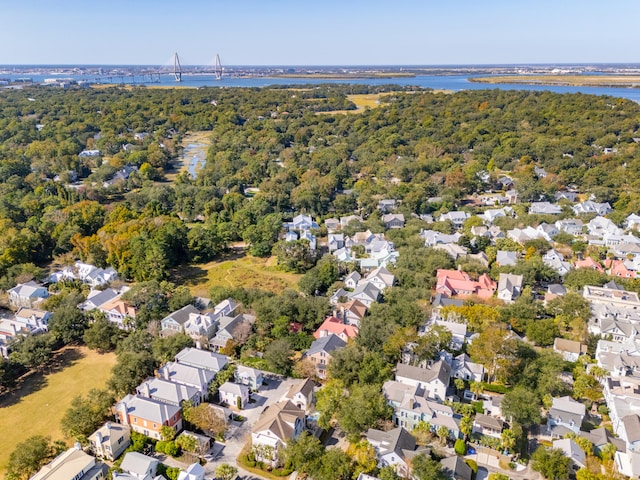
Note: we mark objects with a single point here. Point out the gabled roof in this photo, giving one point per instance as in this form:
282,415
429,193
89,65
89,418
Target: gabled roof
440,370
166,391
632,427
137,463
355,307
120,306
279,418
305,387
99,297
181,316
455,467
398,441
234,388
333,325
180,373
571,346
148,409
326,344
489,422
369,290
29,290
201,359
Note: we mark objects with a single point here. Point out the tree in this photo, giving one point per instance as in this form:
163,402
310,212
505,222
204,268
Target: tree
188,443
102,335
364,408
335,464
167,433
303,453
388,473
551,462
226,472
425,468
294,256
508,439
443,433
132,368
206,418
68,322
32,350
460,447
363,456
86,414
166,348
522,405
30,455
328,401
494,350
278,355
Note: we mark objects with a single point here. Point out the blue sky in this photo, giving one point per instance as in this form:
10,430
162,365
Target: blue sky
311,32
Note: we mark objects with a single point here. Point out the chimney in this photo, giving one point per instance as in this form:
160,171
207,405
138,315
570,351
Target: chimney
165,373
143,390
99,437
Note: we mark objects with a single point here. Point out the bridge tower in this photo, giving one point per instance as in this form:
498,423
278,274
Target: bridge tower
177,69
218,69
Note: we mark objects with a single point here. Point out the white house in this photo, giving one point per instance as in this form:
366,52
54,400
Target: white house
230,393
27,294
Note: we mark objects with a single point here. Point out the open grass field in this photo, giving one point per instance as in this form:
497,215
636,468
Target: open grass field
362,101
39,404
236,271
566,80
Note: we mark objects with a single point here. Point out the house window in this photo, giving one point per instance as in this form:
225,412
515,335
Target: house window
135,420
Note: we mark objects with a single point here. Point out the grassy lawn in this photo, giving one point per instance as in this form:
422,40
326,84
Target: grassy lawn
39,404
236,271
362,101
572,80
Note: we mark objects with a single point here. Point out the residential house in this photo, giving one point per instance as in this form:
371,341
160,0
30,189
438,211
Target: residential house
565,416
394,448
630,431
589,263
333,325
592,207
601,436
506,259
381,278
168,392
110,440
456,282
462,367
96,298
393,220
320,352
387,205
345,221
433,380
339,295
455,468
351,280
72,464
335,241
554,290
486,425
555,260
302,394
457,218
544,208
433,238
248,376
366,293
27,294
301,223
231,328
120,176
351,312
195,471
632,221
509,287
138,466
231,393
203,359
175,321
201,325
548,231
618,268
278,424
453,250
119,312
566,195
187,375
410,407
148,416
32,320
332,224
309,237
458,330
569,349
599,226
86,273
572,226
572,450
524,235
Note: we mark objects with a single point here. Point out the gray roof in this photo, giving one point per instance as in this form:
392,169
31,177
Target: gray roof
137,463
166,391
182,315
440,370
397,440
100,297
440,300
368,289
186,374
489,422
505,258
202,359
455,467
632,427
234,388
148,409
326,344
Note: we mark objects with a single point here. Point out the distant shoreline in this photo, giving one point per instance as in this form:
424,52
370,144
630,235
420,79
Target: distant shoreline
619,81
343,76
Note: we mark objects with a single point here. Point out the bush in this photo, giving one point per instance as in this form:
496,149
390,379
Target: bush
282,472
473,465
169,448
460,447
495,388
478,406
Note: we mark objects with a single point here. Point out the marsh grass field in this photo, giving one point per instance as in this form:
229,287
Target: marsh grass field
37,406
234,272
564,80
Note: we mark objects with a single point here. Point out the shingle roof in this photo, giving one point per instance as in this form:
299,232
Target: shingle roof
182,315
326,344
440,370
202,359
280,419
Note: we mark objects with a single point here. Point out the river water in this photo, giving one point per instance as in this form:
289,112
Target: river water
437,82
